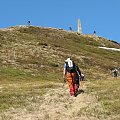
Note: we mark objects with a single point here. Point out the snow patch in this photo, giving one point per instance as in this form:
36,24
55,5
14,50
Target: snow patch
115,49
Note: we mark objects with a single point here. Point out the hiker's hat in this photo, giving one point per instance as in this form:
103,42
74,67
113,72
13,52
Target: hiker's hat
68,59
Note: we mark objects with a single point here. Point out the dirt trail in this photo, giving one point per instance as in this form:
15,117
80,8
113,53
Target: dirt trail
56,104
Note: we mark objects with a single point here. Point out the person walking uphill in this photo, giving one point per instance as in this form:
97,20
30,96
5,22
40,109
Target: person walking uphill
70,74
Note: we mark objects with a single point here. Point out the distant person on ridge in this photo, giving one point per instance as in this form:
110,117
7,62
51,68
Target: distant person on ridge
70,28
28,23
71,73
94,33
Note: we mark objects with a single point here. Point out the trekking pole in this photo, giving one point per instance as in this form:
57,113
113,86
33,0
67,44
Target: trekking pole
64,81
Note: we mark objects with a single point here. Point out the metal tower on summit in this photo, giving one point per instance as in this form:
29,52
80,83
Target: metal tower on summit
79,27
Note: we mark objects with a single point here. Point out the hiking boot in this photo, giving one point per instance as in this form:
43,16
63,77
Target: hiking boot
75,94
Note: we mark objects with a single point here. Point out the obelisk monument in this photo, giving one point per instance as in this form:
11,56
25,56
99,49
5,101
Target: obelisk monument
79,27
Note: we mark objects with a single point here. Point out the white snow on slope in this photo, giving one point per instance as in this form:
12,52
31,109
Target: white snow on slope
115,49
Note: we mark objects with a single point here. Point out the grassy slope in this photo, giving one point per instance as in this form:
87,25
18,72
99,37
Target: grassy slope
40,50
35,56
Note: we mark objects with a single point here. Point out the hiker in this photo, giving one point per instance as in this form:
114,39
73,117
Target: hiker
70,28
115,72
28,23
94,33
79,75
71,73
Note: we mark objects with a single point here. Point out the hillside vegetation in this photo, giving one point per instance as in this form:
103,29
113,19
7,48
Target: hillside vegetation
38,50
32,59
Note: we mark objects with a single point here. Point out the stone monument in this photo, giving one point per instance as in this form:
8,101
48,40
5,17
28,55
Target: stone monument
79,27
